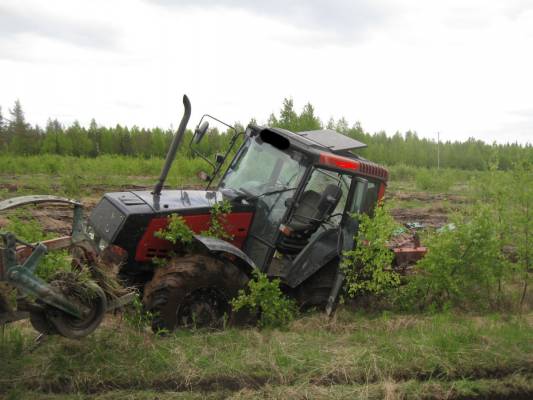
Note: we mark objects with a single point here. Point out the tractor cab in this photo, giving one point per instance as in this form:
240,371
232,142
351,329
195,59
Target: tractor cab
304,187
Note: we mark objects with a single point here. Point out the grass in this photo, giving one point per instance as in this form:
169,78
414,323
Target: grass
74,176
349,354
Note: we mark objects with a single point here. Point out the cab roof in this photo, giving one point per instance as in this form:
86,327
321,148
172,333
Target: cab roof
332,140
330,148
323,139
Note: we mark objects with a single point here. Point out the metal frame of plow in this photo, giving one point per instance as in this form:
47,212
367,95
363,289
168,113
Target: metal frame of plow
18,263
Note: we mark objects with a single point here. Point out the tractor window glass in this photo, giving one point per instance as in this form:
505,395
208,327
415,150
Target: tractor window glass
261,168
319,182
364,202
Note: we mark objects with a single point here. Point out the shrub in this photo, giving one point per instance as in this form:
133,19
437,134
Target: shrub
433,180
136,316
402,172
367,268
177,231
218,220
463,266
265,296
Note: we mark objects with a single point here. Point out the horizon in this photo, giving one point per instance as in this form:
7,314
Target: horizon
172,127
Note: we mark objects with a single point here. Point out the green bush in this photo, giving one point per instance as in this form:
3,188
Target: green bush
218,221
265,296
136,316
402,172
177,231
434,180
464,266
367,268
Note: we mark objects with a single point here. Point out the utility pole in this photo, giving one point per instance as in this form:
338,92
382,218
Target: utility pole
438,150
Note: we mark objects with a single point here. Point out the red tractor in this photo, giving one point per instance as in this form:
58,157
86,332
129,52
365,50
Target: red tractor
292,197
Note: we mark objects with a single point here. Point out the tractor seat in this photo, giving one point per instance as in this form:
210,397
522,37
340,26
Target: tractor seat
312,209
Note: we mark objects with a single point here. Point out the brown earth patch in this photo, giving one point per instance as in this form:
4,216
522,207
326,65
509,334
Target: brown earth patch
433,217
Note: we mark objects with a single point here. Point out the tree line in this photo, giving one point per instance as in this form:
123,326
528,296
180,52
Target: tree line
18,137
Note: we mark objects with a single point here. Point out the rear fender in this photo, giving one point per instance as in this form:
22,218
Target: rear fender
222,249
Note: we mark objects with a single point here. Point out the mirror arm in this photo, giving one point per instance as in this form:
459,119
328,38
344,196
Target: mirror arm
197,153
219,166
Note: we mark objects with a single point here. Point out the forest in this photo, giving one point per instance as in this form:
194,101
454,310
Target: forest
20,138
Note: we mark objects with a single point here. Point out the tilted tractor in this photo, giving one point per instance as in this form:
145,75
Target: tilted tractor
292,197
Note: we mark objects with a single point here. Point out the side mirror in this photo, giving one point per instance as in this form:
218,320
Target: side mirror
199,132
219,159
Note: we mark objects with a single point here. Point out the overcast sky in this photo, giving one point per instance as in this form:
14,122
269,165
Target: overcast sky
464,68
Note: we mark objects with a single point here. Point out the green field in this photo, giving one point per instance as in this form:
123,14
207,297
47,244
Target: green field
351,355
367,352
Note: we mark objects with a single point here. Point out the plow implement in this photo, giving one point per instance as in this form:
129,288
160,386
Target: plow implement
71,303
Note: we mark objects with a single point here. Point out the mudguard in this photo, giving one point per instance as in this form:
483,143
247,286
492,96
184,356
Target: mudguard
25,200
233,253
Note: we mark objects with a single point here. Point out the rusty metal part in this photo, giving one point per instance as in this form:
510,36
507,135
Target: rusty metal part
405,256
187,284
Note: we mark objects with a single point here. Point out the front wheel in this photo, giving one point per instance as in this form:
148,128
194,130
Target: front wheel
192,292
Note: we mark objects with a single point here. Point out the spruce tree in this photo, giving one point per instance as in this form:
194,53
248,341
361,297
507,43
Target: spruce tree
19,135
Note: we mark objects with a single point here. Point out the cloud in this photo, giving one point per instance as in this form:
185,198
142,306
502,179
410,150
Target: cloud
346,20
15,23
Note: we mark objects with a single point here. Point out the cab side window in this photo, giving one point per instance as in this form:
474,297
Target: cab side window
365,197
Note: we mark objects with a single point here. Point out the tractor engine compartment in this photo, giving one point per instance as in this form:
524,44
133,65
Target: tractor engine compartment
130,219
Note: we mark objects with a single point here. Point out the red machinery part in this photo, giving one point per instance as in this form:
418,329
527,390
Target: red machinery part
150,246
408,255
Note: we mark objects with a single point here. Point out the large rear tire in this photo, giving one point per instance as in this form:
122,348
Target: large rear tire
192,291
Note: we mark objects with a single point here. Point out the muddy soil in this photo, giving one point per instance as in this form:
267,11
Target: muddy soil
433,214
429,197
433,217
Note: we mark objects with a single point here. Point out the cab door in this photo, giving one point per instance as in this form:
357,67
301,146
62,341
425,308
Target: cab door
363,199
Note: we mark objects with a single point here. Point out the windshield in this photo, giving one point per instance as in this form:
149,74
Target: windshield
270,176
261,168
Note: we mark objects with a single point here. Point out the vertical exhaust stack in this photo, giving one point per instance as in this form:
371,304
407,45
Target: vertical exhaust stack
171,155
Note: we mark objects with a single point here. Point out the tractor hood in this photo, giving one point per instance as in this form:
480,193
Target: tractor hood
119,214
170,201
118,209
175,200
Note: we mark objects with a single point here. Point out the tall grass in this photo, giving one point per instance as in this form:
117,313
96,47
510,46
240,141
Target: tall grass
100,166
